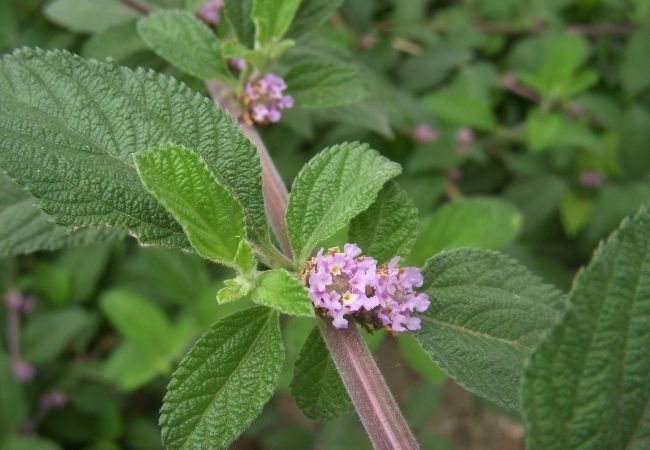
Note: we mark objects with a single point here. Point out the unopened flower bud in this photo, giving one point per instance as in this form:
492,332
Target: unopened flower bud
425,133
23,371
210,12
53,400
591,179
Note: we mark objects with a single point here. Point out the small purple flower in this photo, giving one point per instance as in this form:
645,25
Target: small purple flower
592,179
53,400
23,371
425,133
346,284
15,301
237,63
264,98
210,12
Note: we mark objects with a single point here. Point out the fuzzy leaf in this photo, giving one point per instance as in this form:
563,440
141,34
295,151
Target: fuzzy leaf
69,129
388,227
272,18
587,384
25,229
183,40
212,219
316,385
324,85
335,186
487,314
224,381
283,291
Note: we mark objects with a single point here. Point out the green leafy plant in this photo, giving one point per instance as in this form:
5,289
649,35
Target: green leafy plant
91,151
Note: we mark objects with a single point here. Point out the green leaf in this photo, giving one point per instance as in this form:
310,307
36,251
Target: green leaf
316,385
96,116
25,229
335,186
239,14
283,291
211,218
88,16
487,314
47,335
388,227
29,443
119,42
311,15
316,84
139,321
575,211
185,41
272,19
636,57
419,360
234,367
13,405
477,222
130,367
592,369
458,107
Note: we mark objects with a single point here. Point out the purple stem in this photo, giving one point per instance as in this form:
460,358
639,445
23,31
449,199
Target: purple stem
369,392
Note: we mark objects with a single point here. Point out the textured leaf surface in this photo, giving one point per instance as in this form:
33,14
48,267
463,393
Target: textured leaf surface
477,222
212,219
185,41
311,15
88,16
224,381
587,384
487,314
323,84
283,291
272,18
26,229
316,385
335,186
388,227
69,129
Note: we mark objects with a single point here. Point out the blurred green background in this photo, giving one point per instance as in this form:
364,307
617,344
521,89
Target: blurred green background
522,125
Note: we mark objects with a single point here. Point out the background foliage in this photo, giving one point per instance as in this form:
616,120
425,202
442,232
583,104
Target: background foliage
537,119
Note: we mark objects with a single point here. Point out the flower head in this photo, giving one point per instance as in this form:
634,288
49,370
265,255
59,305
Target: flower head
210,12
264,98
15,301
346,284
425,133
23,371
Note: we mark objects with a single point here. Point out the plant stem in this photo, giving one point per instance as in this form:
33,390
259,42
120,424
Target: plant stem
136,5
369,392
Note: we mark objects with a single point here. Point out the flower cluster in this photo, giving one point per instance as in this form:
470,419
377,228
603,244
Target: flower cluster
345,285
264,98
210,12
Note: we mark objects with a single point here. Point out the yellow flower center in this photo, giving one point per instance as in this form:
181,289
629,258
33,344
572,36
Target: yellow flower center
336,269
348,298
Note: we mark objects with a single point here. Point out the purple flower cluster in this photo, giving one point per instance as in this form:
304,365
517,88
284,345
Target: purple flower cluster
345,285
264,98
210,12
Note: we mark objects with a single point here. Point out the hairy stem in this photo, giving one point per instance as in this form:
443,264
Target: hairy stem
369,392
372,399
